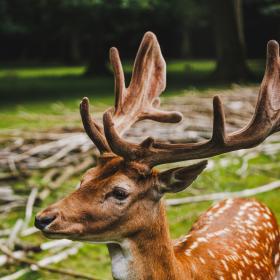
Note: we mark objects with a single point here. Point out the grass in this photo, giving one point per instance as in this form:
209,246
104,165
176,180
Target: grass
45,97
29,93
37,88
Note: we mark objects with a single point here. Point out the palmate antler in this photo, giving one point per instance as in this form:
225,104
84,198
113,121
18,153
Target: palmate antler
265,121
137,102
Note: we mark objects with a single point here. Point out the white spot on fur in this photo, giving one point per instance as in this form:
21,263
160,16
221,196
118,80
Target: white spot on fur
211,254
225,265
276,258
202,260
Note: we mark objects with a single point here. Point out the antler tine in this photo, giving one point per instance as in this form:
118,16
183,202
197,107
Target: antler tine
266,121
149,68
92,129
136,102
270,86
117,144
127,150
119,78
272,61
219,133
148,80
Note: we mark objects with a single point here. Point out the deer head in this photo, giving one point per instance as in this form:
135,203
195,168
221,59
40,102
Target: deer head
121,196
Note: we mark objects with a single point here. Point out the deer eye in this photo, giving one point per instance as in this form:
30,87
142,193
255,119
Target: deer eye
119,193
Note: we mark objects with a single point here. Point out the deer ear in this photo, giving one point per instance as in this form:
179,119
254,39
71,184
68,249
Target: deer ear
177,179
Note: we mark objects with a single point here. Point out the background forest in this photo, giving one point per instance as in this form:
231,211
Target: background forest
54,52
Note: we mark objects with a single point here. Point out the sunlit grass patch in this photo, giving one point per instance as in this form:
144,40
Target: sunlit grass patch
41,71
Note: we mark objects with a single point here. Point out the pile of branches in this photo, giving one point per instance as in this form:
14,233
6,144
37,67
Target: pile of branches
15,251
72,151
62,153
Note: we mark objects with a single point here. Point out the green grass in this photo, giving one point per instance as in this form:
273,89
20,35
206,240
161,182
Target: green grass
28,93
46,97
47,84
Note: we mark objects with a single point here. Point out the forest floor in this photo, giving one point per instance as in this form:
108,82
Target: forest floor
45,114
29,93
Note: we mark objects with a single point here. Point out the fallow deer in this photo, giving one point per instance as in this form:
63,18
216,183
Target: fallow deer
119,202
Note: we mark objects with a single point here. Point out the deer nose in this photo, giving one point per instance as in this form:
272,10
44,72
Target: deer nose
42,222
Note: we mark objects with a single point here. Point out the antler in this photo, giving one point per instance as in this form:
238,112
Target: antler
265,121
137,102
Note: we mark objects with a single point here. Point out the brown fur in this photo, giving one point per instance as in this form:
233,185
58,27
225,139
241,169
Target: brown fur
246,241
119,201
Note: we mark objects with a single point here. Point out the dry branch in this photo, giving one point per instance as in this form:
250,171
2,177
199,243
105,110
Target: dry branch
29,207
223,195
22,249
24,151
43,264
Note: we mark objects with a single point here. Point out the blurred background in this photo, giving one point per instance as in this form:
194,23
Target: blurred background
204,43
54,52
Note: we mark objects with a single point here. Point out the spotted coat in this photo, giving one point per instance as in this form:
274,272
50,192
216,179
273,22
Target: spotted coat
235,239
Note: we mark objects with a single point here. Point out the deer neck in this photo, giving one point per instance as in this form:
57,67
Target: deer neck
147,255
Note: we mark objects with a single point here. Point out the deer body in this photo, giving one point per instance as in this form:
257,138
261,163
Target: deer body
119,201
229,241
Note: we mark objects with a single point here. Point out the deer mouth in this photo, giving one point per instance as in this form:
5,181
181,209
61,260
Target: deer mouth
54,227
61,233
55,235
76,233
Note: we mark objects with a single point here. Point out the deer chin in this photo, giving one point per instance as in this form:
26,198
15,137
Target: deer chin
76,233
50,235
71,231
94,239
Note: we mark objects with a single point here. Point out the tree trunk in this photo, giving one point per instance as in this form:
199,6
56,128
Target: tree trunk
186,51
98,64
74,49
229,38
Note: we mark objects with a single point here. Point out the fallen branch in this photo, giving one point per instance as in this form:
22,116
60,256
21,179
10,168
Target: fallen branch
24,151
23,233
29,207
7,195
223,195
43,264
14,233
67,173
22,249
9,200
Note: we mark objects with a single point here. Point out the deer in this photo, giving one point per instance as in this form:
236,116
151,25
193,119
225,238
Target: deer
119,202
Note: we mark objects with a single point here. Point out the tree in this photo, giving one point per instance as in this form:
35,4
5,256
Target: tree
191,14
229,38
109,19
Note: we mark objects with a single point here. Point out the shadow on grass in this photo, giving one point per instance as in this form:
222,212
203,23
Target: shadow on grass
59,83
18,90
